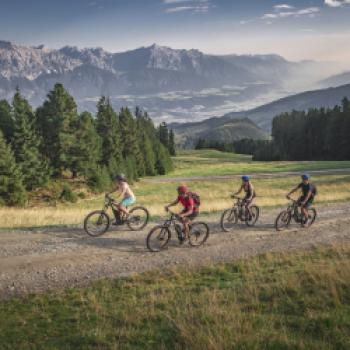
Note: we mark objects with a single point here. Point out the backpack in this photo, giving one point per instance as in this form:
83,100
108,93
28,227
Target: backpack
314,190
196,198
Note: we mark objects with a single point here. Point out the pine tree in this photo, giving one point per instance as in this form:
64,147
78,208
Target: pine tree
98,178
172,150
26,143
163,161
12,191
6,120
57,121
163,134
130,138
87,149
108,129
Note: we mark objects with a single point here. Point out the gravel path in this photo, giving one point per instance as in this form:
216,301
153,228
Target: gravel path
46,259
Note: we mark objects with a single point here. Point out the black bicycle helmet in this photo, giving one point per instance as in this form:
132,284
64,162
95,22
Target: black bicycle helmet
120,177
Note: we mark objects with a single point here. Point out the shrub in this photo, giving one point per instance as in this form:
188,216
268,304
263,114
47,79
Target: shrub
68,195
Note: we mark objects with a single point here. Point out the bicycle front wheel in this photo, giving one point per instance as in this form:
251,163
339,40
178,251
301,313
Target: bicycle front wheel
138,218
228,220
199,233
283,220
158,238
96,223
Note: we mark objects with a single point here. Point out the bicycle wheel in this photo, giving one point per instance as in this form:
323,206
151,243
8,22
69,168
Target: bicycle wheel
138,218
199,233
312,217
253,218
158,238
96,223
283,220
228,220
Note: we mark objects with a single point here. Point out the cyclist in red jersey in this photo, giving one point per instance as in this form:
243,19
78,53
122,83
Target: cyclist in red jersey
190,210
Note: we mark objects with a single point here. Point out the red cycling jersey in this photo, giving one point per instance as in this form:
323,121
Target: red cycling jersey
187,203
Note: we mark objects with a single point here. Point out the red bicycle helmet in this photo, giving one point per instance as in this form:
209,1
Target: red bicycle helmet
182,189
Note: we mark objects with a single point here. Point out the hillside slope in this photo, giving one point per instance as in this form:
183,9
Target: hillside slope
261,116
217,129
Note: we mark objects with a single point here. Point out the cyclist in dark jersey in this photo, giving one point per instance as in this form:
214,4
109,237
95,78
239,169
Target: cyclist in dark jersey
250,193
190,210
308,190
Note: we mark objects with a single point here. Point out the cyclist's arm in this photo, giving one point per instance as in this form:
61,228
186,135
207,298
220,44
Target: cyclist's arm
307,197
187,213
172,204
239,191
115,189
292,191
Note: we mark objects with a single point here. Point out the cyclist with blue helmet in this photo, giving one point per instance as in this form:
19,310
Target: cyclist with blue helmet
307,197
250,193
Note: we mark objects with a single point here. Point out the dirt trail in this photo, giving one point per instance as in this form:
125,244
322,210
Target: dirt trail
345,171
46,259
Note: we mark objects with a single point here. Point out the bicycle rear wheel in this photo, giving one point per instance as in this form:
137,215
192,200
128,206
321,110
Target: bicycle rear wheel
96,223
312,217
158,238
283,220
199,233
138,218
253,218
228,220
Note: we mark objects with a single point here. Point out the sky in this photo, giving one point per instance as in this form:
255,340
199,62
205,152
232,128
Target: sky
297,30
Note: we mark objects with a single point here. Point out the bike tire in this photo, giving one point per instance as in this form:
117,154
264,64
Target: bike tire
256,211
283,220
133,218
312,217
152,235
229,215
198,229
104,228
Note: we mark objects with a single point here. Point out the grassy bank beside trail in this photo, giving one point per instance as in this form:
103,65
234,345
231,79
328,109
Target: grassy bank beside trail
213,163
298,300
215,196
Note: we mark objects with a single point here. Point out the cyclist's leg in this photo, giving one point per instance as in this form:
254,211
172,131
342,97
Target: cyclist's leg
249,205
187,222
124,204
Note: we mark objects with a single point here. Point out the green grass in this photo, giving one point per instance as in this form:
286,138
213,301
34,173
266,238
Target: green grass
299,300
211,162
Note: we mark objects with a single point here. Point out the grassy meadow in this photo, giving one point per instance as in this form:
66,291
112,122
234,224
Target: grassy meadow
214,194
298,300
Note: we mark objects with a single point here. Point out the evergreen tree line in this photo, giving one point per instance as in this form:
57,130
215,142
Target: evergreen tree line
319,134
37,146
243,146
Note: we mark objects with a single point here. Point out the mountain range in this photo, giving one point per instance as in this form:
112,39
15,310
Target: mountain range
171,84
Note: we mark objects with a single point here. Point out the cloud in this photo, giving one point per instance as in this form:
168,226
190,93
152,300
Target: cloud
336,3
309,11
194,6
174,1
283,7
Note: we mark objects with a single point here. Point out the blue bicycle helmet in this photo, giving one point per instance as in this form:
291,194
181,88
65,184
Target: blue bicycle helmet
245,178
305,176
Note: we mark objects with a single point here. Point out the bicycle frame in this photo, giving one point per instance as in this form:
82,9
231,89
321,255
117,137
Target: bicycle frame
293,209
239,206
171,220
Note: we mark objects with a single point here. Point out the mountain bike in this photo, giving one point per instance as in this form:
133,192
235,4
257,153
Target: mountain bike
159,237
284,218
239,212
97,222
